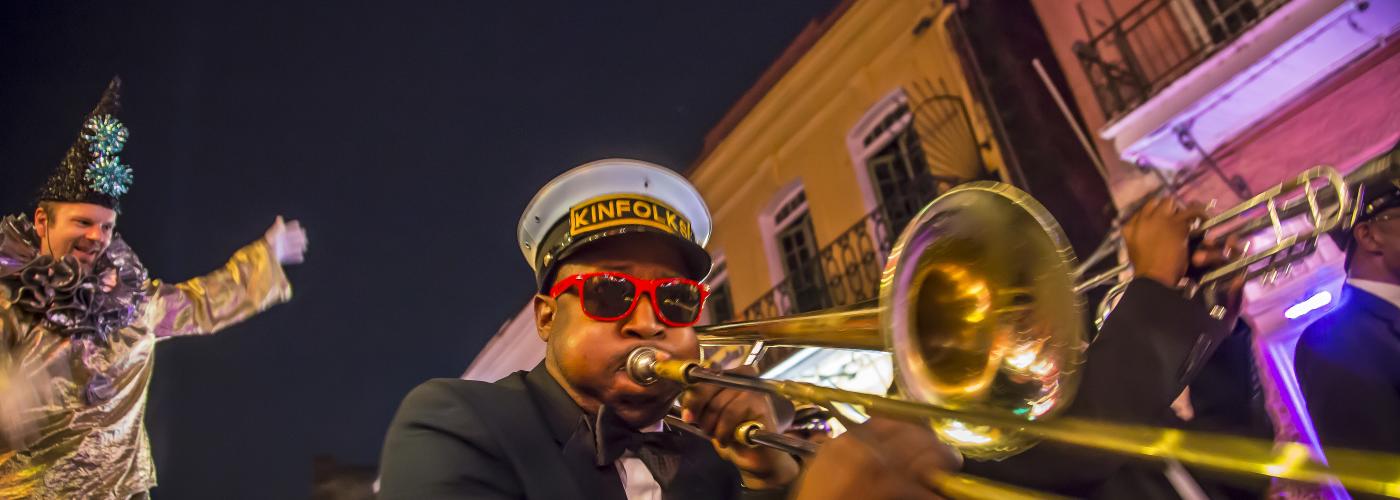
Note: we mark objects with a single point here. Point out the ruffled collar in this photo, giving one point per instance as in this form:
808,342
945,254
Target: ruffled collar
69,301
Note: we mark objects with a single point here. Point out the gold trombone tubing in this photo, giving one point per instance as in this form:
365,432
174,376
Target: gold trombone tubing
1359,471
852,327
955,485
1325,208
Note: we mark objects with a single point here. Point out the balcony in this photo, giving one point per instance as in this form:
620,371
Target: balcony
1180,80
1157,41
847,270
853,263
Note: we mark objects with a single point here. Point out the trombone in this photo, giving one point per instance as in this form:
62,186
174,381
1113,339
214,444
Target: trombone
1324,208
980,309
642,365
1367,472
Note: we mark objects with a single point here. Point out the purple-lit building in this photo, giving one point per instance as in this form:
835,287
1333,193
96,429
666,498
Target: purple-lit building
1236,96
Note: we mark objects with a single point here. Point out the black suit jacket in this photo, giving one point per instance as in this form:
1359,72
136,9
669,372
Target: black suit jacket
1153,344
1348,366
521,437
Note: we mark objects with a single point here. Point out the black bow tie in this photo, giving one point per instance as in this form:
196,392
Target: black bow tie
612,437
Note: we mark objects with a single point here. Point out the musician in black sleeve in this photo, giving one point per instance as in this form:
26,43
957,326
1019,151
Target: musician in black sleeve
1155,343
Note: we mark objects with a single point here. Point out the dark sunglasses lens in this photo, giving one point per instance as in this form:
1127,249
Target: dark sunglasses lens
679,302
608,296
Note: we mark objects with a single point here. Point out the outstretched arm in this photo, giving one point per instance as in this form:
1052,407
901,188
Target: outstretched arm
249,283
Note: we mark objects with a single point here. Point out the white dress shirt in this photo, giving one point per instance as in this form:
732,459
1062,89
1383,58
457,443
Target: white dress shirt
1386,291
637,480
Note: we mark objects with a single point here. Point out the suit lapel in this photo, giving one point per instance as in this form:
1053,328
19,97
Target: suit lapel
568,426
700,473
1382,311
525,436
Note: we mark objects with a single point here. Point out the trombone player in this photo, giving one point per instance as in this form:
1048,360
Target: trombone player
617,249
611,279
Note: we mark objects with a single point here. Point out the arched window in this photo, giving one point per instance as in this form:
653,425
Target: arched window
793,259
889,161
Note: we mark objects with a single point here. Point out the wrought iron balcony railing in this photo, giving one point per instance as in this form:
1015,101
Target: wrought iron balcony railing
1157,41
847,270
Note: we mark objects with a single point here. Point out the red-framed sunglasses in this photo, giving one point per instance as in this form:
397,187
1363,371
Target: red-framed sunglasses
611,296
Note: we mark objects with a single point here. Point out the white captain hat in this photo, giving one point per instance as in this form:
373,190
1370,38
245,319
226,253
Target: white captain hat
612,197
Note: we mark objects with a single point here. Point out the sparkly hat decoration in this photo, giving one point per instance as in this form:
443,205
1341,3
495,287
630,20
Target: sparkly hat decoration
92,171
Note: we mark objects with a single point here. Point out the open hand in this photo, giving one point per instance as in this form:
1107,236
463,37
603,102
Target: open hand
287,240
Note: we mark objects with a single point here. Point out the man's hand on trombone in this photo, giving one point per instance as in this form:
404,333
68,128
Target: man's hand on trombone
719,411
881,458
1158,239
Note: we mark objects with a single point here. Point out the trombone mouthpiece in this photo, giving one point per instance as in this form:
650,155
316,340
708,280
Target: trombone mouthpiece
641,365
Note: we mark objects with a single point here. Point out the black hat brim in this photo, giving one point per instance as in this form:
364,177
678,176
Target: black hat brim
697,260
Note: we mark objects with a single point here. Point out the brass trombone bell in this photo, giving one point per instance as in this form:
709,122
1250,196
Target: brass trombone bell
977,308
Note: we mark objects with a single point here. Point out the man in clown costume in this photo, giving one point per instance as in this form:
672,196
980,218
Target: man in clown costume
79,321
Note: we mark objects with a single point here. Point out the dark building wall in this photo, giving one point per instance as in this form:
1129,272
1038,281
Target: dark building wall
997,40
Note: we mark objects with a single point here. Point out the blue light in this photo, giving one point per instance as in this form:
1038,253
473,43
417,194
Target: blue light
1317,301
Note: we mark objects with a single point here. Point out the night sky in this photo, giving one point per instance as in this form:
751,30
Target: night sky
406,136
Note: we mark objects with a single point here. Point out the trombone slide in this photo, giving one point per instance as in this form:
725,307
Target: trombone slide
1368,472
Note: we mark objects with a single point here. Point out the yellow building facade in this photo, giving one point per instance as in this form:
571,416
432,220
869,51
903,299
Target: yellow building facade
865,118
